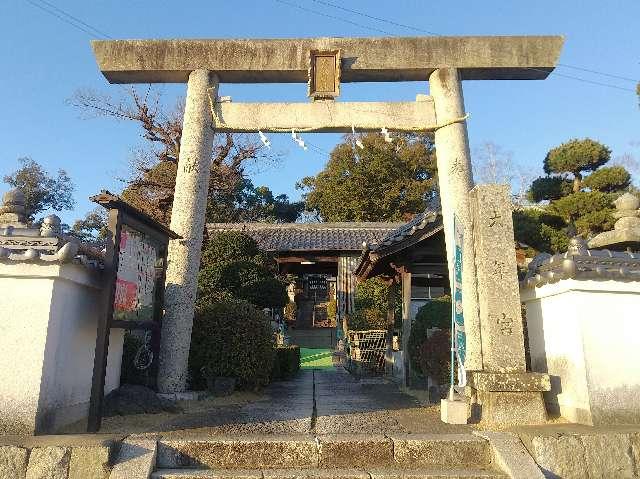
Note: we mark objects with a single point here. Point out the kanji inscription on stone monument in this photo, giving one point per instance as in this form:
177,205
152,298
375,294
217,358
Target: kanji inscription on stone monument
498,294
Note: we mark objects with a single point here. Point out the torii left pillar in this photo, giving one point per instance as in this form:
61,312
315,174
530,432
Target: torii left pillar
187,219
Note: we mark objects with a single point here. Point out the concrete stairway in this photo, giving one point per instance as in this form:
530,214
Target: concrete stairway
315,338
409,456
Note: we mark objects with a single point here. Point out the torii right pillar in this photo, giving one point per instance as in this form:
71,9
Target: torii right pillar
503,392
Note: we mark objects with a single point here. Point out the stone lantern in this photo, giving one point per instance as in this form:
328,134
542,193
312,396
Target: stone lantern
625,235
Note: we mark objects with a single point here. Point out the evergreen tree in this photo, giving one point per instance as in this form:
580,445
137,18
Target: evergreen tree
569,201
382,181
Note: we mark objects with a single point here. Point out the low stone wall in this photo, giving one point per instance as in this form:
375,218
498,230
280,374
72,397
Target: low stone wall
574,452
59,457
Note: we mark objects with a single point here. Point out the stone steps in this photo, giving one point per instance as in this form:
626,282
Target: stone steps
424,473
327,456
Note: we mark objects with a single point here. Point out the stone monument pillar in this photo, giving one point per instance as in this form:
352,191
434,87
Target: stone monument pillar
455,179
506,392
187,219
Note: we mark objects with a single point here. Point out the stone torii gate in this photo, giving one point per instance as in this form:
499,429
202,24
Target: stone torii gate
322,63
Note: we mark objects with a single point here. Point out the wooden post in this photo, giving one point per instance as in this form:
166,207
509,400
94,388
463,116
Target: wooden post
111,259
391,307
406,324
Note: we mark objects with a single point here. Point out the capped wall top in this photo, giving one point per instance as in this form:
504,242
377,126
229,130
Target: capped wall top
579,262
362,59
20,241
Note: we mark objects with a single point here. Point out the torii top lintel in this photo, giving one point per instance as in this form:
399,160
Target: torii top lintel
363,59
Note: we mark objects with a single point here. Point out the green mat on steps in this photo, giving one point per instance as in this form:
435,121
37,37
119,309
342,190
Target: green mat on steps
316,358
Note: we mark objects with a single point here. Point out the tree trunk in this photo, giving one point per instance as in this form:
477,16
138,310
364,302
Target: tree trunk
577,182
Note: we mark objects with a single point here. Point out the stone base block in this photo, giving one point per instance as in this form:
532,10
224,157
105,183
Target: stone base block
184,396
454,411
506,408
509,382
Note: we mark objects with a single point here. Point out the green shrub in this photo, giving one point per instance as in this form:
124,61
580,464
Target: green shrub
265,293
366,319
372,293
231,246
435,314
371,306
287,362
231,339
432,356
232,266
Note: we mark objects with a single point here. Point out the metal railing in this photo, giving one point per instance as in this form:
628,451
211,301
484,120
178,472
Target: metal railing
366,351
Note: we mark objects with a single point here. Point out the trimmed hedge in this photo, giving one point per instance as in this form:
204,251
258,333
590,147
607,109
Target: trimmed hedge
233,266
231,339
287,362
265,293
432,355
435,314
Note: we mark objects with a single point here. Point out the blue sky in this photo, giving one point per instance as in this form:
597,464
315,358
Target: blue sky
45,60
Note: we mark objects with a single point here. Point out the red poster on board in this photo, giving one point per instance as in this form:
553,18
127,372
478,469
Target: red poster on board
126,295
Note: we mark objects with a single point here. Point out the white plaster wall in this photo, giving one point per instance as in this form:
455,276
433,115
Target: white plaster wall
587,334
59,306
24,306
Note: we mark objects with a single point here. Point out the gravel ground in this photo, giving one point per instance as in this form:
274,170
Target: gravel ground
318,402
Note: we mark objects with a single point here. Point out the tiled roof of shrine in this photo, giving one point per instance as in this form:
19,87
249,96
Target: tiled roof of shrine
283,237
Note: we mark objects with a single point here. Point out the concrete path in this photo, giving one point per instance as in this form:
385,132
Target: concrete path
318,402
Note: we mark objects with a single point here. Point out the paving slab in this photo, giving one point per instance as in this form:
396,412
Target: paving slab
206,474
13,462
355,450
239,452
136,459
416,450
437,473
316,474
49,463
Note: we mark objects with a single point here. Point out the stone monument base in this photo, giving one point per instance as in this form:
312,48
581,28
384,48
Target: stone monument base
509,399
454,411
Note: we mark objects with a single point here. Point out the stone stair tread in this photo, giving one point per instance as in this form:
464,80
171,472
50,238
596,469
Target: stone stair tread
206,474
406,451
423,473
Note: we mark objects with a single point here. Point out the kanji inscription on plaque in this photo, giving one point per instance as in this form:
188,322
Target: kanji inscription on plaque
324,74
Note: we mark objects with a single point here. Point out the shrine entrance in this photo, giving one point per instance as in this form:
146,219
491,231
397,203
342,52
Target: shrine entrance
320,259
324,64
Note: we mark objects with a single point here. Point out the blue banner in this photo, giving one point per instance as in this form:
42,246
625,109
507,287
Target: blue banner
458,312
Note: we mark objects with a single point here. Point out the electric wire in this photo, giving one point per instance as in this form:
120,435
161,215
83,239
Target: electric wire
333,17
418,29
69,19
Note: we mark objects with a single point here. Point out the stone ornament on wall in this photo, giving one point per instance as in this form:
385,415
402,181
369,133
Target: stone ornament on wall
626,231
21,242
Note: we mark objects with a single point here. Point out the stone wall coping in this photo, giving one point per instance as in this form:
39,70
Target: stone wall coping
84,275
579,262
577,285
